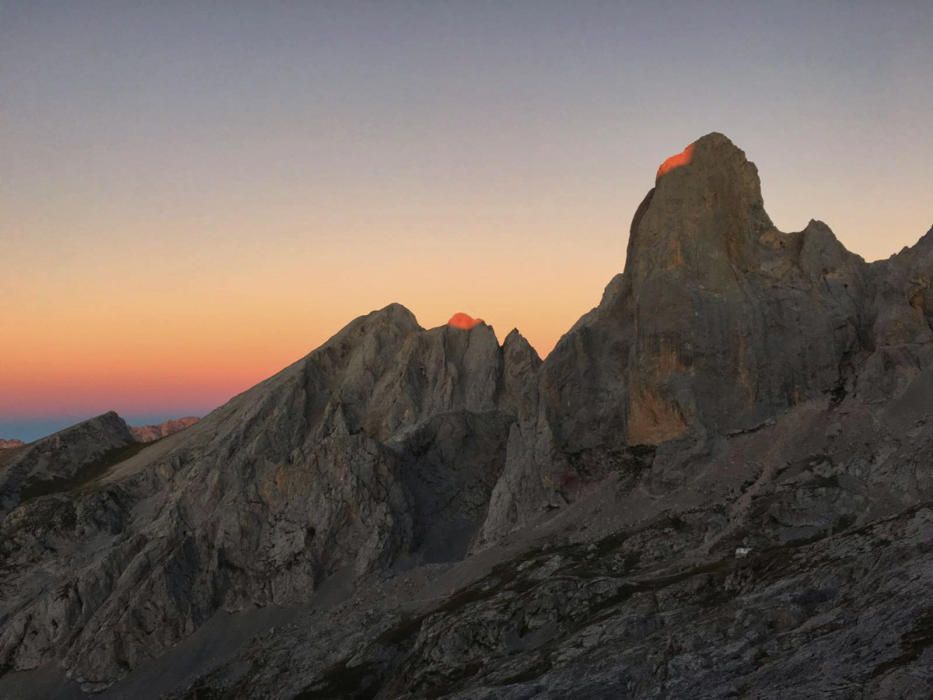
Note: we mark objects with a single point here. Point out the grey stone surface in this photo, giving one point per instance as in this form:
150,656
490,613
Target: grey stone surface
719,484
60,461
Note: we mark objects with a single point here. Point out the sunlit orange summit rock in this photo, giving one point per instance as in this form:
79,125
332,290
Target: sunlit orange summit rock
464,321
676,161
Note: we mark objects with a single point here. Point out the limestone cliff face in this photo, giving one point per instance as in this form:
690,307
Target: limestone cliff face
495,524
381,446
719,320
718,323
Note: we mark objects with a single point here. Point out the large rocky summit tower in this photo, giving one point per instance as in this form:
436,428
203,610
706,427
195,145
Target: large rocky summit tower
719,319
718,483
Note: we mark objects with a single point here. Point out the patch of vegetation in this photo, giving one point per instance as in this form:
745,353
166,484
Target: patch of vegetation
34,488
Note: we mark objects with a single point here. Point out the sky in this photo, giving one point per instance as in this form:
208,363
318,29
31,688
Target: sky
195,194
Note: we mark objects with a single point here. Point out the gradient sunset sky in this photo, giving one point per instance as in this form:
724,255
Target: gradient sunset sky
195,194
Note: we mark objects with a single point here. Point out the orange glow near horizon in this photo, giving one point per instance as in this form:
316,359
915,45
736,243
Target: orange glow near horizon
168,312
463,321
675,161
140,340
174,314
170,237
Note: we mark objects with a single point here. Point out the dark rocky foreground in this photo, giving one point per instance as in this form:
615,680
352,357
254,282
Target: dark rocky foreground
719,484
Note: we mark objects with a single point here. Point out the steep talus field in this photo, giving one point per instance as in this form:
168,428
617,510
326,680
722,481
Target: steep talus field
718,484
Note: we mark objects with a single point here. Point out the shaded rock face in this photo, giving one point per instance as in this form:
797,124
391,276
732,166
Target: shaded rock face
151,433
602,619
717,484
58,461
379,448
718,322
719,319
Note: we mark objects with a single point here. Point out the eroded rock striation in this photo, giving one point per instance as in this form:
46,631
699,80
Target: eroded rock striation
718,484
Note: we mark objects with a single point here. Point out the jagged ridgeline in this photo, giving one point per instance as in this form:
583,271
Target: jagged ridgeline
718,484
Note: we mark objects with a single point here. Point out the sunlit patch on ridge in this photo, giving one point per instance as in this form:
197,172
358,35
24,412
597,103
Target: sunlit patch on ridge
463,321
675,161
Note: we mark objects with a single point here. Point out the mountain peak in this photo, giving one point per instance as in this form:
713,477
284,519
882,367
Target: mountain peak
725,396
60,458
514,336
677,160
394,311
712,142
394,316
714,152
463,321
110,422
517,344
706,206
